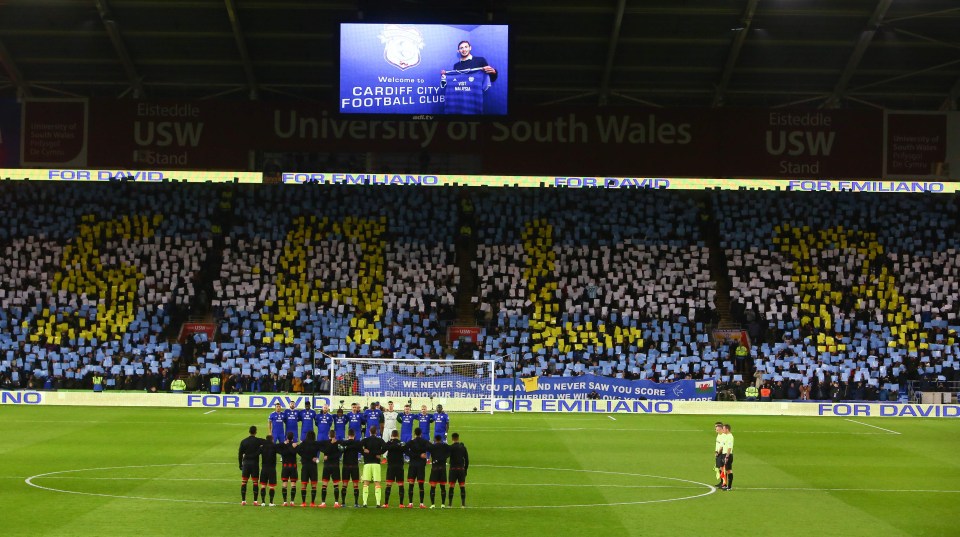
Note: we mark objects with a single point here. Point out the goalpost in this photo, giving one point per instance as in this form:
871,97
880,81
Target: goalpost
458,385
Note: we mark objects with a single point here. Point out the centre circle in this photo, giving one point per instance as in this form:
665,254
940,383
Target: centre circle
708,489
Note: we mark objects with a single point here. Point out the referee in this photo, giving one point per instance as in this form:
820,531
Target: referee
249,459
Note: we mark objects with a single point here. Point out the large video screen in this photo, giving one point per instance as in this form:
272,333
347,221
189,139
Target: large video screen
424,69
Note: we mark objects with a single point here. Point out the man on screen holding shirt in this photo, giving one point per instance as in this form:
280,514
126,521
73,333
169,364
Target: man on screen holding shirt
469,61
465,83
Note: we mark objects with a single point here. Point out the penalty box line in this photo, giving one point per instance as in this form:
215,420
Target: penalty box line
888,431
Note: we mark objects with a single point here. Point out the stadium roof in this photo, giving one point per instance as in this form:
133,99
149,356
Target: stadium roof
896,54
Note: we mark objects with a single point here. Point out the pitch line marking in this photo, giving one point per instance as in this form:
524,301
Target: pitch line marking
30,482
611,417
710,488
209,412
811,489
742,431
471,483
874,426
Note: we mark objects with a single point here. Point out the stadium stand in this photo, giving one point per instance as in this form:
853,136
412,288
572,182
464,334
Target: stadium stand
859,290
612,283
311,272
93,278
844,296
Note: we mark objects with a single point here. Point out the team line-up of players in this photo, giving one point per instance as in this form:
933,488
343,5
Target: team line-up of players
351,437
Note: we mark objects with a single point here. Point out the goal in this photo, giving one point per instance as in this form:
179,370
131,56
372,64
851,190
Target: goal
458,385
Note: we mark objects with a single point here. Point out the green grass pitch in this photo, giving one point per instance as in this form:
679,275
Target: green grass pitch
142,471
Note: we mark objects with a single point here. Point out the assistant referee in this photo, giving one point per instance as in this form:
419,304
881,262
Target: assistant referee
727,458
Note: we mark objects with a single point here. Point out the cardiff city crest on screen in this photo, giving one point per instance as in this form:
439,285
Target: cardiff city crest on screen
401,45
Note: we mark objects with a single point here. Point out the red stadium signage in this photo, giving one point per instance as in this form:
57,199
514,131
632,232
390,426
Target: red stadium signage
191,329
9,133
54,132
170,135
455,333
801,143
722,335
916,145
592,141
544,140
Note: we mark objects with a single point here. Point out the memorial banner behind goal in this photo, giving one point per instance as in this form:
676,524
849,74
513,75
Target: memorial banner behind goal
430,380
393,385
606,388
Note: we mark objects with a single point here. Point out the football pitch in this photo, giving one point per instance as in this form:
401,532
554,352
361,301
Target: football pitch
148,471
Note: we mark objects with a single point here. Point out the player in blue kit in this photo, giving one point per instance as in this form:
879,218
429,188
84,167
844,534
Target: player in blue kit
355,420
406,424
275,423
424,419
441,422
372,417
340,425
306,417
324,421
291,418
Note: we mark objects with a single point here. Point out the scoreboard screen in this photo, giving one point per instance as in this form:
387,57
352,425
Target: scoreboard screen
424,69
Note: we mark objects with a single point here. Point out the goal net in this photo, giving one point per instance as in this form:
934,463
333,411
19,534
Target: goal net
458,385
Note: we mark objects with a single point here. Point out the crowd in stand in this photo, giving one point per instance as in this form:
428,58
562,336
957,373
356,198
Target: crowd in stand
92,276
843,296
857,290
311,272
620,277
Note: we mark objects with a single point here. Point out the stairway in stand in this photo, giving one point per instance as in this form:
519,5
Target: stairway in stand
717,260
466,251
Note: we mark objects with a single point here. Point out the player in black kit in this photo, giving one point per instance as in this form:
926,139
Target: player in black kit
351,469
330,453
439,452
309,451
288,469
395,453
249,459
459,462
417,452
268,470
